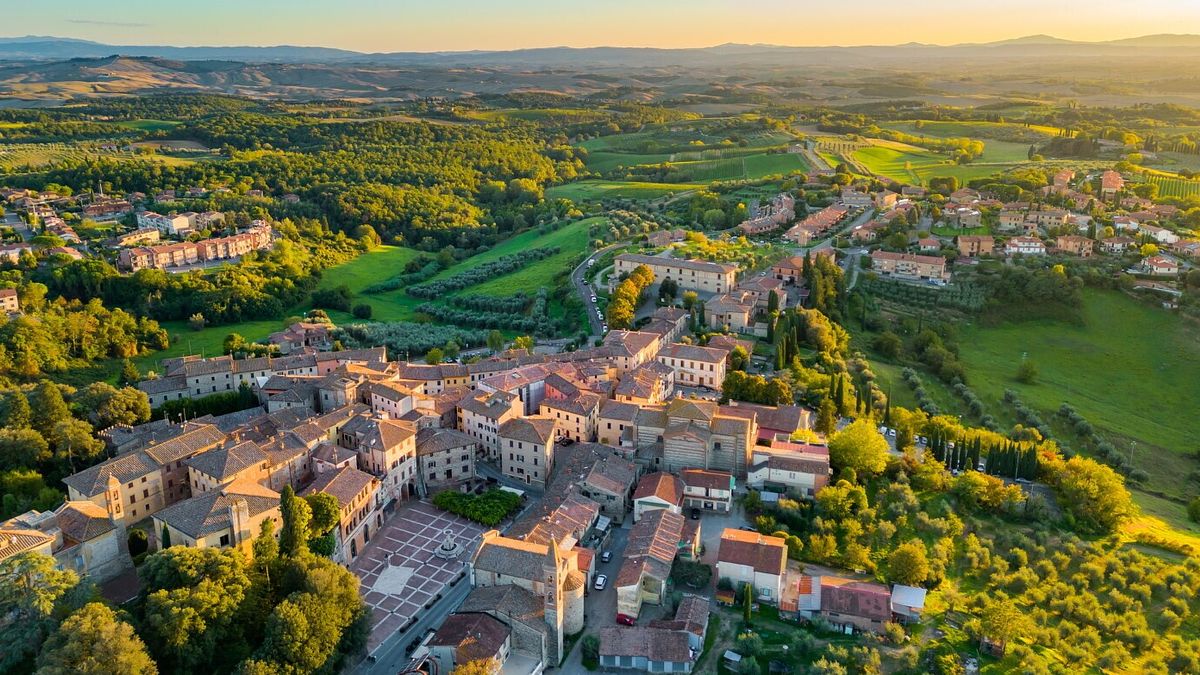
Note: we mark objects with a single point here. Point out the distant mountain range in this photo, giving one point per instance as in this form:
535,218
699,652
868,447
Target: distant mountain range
49,48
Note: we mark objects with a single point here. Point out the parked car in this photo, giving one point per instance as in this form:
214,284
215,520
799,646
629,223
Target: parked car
601,582
695,514
891,432
625,620
605,556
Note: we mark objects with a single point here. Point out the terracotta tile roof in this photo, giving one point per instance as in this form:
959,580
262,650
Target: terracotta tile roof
653,544
343,484
709,480
15,541
222,463
511,601
698,265
473,636
765,554
187,444
616,410
693,353
82,521
654,644
584,404
209,512
855,598
511,557
665,486
537,429
433,440
94,480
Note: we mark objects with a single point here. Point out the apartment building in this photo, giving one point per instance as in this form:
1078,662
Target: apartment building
909,265
695,366
360,509
691,275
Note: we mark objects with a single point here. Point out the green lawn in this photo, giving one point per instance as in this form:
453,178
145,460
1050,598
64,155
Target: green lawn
208,341
1132,370
572,239
607,189
370,268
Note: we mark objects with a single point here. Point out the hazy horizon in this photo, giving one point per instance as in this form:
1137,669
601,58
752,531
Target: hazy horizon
369,26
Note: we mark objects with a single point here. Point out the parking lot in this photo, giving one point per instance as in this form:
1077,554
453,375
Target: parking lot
400,574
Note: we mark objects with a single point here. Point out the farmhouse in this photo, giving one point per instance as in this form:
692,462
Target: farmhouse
1111,183
1117,244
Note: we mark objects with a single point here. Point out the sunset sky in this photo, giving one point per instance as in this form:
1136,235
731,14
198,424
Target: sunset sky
405,25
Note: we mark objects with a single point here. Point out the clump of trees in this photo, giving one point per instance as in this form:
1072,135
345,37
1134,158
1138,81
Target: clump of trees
628,296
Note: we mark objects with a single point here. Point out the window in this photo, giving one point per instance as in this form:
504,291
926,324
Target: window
145,494
224,540
132,499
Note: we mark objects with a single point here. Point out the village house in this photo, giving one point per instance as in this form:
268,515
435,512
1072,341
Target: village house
791,467
856,198
645,649
731,311
975,246
688,433
617,422
1160,235
657,490
1111,183
654,541
82,537
482,413
10,303
1075,244
465,637
754,559
1118,244
527,448
1025,246
227,518
445,458
816,224
708,490
359,509
576,416
1160,266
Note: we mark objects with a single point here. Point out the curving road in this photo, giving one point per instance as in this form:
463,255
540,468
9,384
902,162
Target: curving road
584,290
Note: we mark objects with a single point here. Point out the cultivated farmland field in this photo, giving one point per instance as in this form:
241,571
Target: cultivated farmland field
1131,370
1175,187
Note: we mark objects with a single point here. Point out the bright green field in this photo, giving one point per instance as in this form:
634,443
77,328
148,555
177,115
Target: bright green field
372,267
895,164
607,189
1132,370
572,239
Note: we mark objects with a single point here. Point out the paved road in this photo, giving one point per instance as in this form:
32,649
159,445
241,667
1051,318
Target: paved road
391,656
584,291
600,607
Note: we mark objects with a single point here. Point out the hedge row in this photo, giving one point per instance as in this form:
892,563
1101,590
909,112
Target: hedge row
510,304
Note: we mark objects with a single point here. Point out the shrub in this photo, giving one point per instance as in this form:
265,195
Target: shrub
362,311
489,508
332,298
139,542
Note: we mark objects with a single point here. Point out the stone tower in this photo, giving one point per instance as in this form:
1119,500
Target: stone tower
554,574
